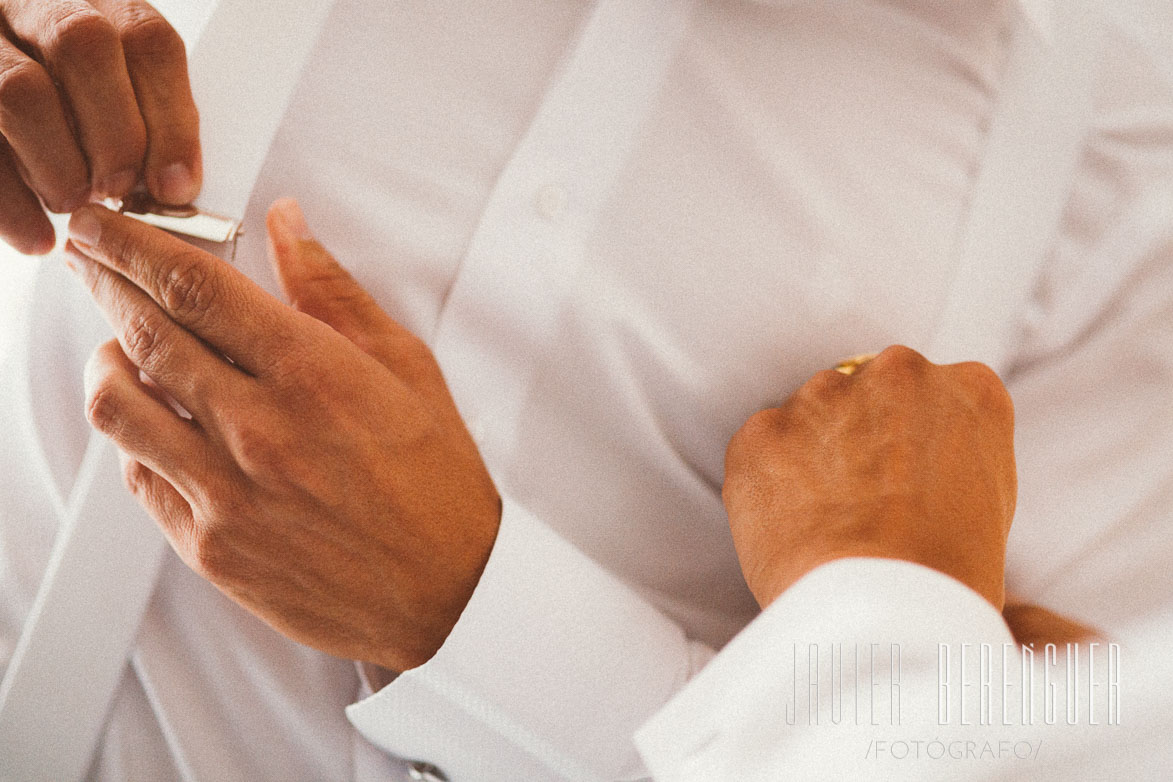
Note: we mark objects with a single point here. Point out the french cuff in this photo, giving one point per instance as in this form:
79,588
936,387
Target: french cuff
548,672
855,602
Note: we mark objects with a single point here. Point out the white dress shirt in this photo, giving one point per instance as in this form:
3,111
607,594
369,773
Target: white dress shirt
624,226
859,688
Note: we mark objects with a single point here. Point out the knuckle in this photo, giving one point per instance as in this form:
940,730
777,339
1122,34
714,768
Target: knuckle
78,33
823,383
980,375
761,423
23,86
297,369
257,451
764,424
150,36
142,339
187,290
900,358
754,432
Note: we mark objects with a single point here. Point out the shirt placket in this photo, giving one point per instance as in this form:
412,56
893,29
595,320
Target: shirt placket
518,273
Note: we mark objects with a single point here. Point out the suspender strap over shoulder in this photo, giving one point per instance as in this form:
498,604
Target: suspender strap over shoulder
73,649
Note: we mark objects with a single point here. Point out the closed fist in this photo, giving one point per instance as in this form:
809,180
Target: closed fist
905,459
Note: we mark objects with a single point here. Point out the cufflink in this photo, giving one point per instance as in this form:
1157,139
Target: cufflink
190,221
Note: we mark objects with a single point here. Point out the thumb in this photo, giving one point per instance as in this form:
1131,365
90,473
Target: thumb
316,284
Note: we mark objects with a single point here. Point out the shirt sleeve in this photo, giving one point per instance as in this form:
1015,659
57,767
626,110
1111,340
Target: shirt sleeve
748,715
546,627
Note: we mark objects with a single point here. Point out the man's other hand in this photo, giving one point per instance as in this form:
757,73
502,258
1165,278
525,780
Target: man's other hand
904,460
325,480
94,98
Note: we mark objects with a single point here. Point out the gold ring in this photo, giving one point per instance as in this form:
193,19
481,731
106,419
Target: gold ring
849,366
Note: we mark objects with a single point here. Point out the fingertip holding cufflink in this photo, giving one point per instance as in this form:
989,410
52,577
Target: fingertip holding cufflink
189,221
849,366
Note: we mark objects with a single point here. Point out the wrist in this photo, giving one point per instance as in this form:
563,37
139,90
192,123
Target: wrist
771,581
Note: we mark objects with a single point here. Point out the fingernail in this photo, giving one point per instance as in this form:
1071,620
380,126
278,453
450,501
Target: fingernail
177,185
293,220
85,228
118,185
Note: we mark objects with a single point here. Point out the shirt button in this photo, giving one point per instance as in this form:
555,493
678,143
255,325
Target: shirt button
551,201
425,772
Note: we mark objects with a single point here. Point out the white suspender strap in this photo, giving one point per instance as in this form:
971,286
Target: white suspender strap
76,641
243,71
1034,145
73,649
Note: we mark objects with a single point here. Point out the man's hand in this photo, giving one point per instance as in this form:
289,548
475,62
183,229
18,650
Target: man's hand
94,96
325,480
903,460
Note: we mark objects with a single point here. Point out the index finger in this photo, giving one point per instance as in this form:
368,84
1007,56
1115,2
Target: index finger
199,291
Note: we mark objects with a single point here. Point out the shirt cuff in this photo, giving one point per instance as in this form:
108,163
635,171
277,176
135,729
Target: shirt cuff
855,602
552,666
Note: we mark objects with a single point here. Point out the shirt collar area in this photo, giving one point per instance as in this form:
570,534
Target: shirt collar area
1039,14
